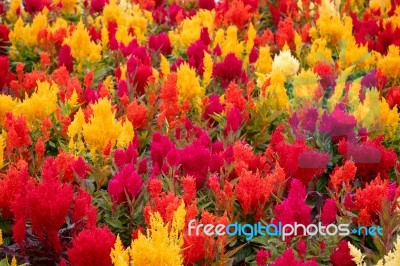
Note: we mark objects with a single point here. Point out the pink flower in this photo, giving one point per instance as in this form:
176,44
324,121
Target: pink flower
262,256
341,255
127,180
160,42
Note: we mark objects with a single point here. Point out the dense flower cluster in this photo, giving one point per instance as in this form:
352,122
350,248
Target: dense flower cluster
124,121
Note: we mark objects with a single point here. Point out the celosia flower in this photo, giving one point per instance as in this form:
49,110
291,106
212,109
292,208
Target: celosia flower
103,128
370,157
286,64
288,258
369,199
92,247
18,134
164,240
262,256
160,43
338,124
341,255
294,207
229,70
126,181
328,212
65,57
137,114
4,65
34,6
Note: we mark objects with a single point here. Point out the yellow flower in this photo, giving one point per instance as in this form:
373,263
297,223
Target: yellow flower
305,84
1,233
208,68
319,52
276,92
7,104
119,255
393,257
104,37
40,105
75,131
251,35
164,66
286,64
12,11
82,48
389,64
231,43
383,5
358,257
27,34
103,128
264,61
352,54
390,118
188,84
161,246
14,261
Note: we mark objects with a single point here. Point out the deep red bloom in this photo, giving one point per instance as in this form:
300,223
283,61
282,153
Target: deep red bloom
92,247
4,32
328,213
34,6
370,157
341,255
229,70
4,68
294,207
392,96
262,256
160,42
65,57
127,180
288,258
96,6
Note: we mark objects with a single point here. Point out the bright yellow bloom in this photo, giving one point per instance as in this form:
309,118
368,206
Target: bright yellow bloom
368,113
7,104
119,255
40,105
264,61
389,64
188,84
319,52
305,84
358,257
75,131
12,11
82,48
164,66
189,29
286,64
383,5
27,34
393,257
161,246
208,68
14,261
103,128
68,6
352,54
231,43
390,118
276,92
104,37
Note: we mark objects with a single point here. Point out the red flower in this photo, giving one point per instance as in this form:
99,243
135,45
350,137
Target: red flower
18,134
288,258
92,247
370,157
96,6
160,43
341,255
369,199
392,96
34,6
229,70
262,256
65,57
137,114
4,32
294,207
4,68
328,213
